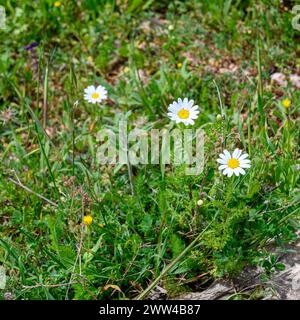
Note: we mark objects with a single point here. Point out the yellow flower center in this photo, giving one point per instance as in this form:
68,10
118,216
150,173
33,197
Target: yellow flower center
233,163
286,103
87,220
95,95
183,114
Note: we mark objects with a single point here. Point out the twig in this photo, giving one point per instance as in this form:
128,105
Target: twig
78,257
20,184
48,285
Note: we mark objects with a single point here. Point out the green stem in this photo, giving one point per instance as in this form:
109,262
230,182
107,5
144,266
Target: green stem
173,263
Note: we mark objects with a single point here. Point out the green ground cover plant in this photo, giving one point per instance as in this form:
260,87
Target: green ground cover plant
73,228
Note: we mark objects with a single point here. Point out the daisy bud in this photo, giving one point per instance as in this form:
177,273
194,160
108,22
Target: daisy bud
200,203
219,117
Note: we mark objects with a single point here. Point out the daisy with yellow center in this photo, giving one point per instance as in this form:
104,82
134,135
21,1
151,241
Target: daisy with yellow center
87,220
286,103
95,94
183,111
233,164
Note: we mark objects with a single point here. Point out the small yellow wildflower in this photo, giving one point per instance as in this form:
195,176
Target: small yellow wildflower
286,103
179,65
87,220
57,4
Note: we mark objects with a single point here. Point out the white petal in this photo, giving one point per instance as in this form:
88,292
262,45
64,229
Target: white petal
236,171
242,171
186,104
222,156
174,107
103,95
222,161
244,161
173,116
101,89
188,121
190,104
244,156
230,172
225,172
90,89
227,154
235,153
195,108
245,165
223,166
193,115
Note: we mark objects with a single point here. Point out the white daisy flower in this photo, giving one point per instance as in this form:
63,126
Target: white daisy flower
233,164
183,111
95,95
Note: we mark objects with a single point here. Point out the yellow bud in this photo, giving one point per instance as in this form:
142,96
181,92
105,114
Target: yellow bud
57,4
179,65
219,117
